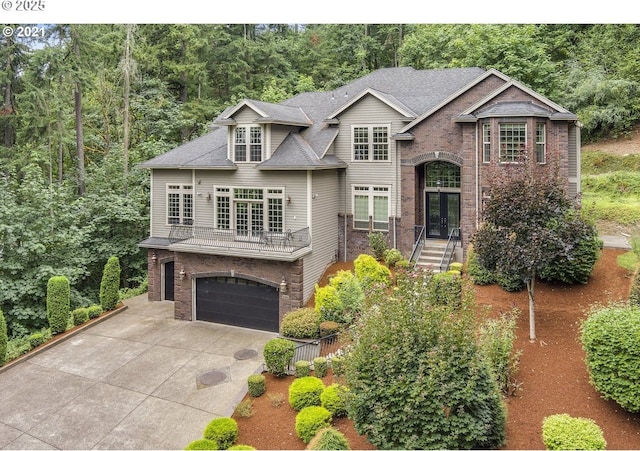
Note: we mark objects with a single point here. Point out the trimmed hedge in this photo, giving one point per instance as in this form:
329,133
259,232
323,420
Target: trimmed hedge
333,398
257,385
328,439
278,353
36,339
303,368
4,339
94,311
80,316
110,284
58,303
223,431
320,366
301,323
310,420
565,432
305,392
202,444
337,365
610,339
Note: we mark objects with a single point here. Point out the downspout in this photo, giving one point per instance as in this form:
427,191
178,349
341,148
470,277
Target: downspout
344,223
477,180
193,196
309,201
395,201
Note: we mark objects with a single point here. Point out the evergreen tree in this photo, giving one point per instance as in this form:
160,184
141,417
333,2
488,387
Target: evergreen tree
58,303
110,285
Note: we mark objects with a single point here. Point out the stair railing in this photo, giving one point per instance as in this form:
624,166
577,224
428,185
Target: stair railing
418,245
452,242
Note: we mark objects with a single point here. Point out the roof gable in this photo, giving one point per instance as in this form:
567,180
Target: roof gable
387,99
268,113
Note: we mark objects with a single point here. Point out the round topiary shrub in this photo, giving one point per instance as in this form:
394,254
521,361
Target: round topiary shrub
456,266
301,323
565,432
370,272
303,368
392,257
223,431
278,353
320,366
328,439
4,339
610,340
58,303
257,385
337,365
329,328
80,316
310,420
305,392
94,311
333,398
202,444
110,284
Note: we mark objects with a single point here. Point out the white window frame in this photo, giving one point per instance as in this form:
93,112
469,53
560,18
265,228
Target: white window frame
248,142
541,144
486,142
185,209
514,154
368,146
268,195
370,192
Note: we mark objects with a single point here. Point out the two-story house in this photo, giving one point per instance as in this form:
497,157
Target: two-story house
245,219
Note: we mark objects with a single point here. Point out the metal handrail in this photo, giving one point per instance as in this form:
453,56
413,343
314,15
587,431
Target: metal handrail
452,242
418,245
285,241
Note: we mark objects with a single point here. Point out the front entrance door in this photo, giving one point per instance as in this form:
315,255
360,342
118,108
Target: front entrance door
169,281
443,213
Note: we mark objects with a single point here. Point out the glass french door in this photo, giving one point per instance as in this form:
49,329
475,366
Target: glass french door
249,219
442,213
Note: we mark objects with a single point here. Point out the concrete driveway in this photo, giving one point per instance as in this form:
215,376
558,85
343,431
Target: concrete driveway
138,380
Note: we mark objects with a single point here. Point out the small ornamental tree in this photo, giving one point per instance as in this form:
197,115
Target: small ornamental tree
58,303
110,285
528,223
3,338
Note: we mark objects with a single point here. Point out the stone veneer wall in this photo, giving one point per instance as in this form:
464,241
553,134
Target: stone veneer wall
195,265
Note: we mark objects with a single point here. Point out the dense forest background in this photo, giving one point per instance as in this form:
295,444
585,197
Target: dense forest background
82,104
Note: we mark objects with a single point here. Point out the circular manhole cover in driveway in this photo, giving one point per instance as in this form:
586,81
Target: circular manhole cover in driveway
211,378
245,354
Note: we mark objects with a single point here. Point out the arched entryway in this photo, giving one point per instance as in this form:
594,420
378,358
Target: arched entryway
442,182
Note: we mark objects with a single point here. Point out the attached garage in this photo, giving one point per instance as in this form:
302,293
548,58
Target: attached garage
237,302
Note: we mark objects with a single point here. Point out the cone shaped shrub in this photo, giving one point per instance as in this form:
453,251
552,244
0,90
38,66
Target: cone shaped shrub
110,284
3,338
58,303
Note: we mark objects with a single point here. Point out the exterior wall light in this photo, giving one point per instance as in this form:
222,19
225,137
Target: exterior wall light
182,274
154,258
283,286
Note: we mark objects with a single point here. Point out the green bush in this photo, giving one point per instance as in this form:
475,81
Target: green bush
447,288
110,284
303,368
370,272
565,432
392,257
496,339
58,303
310,420
36,339
350,295
327,303
94,311
320,366
329,439
80,316
378,243
223,431
329,328
334,399
456,266
4,339
337,365
609,337
509,282
257,385
202,444
301,323
305,392
634,294
278,353
478,273
628,260
241,447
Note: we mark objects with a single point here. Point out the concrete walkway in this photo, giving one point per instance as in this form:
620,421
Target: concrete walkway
138,380
615,242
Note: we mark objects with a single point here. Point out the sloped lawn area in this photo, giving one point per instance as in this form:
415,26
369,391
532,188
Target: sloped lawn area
552,375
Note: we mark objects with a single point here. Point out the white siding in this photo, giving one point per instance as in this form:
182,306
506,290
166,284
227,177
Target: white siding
367,111
324,210
162,178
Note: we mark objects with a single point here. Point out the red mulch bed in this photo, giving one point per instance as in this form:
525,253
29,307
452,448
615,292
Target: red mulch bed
552,372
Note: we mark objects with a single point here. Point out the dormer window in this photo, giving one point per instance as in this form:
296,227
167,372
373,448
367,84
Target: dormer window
247,144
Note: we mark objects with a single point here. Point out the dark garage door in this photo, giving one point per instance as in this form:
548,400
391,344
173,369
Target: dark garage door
237,302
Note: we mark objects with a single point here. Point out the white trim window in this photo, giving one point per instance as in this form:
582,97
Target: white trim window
513,141
486,143
247,144
249,210
180,204
370,142
371,208
541,142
